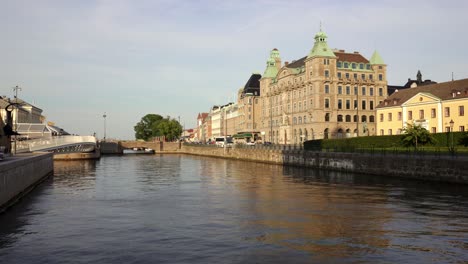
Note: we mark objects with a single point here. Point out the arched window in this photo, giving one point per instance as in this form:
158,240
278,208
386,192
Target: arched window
294,120
371,119
363,118
348,133
325,133
348,118
300,135
327,117
304,119
305,134
300,120
340,118
340,133
355,118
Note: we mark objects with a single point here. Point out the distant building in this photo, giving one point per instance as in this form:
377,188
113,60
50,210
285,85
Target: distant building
203,128
24,113
249,108
432,106
326,94
410,84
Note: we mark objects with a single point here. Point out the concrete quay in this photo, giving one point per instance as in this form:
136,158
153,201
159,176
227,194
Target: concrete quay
19,174
428,168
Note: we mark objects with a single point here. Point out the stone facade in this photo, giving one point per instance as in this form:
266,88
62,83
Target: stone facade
326,94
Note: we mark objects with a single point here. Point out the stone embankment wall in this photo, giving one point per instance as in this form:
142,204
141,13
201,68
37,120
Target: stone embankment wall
118,147
20,174
431,168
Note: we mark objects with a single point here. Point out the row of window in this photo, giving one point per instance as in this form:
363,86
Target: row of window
355,76
433,130
348,104
461,112
347,118
353,65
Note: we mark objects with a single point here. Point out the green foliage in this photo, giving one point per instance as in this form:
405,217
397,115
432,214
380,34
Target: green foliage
463,140
442,140
415,135
153,125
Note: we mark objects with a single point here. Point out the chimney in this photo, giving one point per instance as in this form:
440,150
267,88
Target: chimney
286,63
356,52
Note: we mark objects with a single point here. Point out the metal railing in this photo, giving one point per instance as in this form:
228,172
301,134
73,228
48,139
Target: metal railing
58,144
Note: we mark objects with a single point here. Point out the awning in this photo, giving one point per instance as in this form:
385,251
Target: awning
244,135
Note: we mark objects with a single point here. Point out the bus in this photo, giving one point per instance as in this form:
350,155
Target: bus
219,141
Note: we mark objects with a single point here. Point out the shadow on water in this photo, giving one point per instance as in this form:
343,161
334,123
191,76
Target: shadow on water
69,174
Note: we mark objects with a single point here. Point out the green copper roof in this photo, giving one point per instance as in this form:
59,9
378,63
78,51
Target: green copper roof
271,70
321,47
376,59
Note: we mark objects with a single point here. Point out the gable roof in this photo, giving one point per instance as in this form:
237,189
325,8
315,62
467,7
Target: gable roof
351,57
445,91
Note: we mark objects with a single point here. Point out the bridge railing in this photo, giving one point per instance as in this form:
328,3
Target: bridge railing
50,143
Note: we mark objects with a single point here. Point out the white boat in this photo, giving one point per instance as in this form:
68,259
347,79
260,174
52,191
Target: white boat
139,151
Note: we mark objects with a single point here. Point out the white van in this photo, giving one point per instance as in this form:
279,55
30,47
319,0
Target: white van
219,141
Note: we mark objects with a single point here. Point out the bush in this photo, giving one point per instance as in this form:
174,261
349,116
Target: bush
442,140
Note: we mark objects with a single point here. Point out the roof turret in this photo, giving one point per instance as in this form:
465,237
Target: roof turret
376,59
271,70
321,47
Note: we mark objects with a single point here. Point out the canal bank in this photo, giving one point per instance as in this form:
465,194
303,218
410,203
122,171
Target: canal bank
19,174
442,168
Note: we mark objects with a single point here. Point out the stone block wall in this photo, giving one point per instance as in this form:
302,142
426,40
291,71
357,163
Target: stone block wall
19,174
431,168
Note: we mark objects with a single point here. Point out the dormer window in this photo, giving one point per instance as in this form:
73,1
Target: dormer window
346,65
361,66
368,66
353,65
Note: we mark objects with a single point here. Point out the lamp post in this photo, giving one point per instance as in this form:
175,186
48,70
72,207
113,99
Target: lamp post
16,89
452,150
104,116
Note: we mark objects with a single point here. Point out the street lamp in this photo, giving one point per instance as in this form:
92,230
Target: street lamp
104,125
451,136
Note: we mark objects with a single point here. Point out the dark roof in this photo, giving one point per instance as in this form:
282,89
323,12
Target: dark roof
253,84
350,57
342,56
298,63
419,83
392,88
445,91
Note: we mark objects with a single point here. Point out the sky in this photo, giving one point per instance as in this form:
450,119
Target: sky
77,60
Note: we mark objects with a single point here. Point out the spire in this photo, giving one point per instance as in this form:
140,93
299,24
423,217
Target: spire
271,70
320,46
419,77
376,59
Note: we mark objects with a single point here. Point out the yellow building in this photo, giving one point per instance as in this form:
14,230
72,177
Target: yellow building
432,106
326,94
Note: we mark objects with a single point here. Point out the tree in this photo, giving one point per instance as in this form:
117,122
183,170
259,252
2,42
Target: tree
415,135
153,125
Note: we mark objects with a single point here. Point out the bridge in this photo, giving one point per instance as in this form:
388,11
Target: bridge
58,144
117,147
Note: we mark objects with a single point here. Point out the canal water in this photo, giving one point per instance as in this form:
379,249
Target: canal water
188,209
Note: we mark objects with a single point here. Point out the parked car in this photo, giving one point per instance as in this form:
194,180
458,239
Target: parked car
252,143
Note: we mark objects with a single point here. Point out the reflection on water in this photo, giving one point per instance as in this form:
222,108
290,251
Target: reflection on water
185,209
